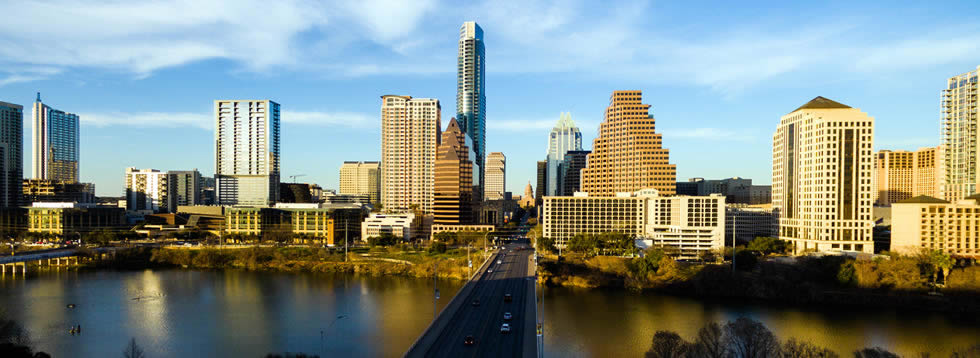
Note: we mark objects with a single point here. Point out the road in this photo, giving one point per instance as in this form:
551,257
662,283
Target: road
483,322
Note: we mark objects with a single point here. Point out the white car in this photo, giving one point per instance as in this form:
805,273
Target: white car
505,328
499,262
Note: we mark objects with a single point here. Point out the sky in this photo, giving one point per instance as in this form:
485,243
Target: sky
143,75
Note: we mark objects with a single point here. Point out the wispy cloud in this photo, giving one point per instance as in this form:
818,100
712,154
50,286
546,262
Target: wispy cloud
708,133
206,121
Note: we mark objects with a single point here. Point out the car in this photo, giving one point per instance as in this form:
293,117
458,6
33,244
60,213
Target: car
507,316
476,303
490,270
499,262
505,328
469,341
508,297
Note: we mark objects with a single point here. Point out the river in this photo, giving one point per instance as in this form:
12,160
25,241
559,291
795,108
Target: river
186,313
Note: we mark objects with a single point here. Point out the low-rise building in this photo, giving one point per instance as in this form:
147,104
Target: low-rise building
301,223
925,222
747,222
56,191
66,218
687,224
437,228
399,225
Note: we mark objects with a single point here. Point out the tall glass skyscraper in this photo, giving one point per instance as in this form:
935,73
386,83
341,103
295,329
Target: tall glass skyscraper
246,140
11,153
959,134
564,137
55,143
471,102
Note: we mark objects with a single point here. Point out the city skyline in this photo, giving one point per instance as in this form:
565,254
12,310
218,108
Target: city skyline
333,102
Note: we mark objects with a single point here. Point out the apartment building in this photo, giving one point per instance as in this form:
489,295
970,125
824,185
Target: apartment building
929,223
901,175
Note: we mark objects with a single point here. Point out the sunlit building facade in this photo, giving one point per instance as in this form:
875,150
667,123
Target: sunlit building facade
927,223
564,137
410,134
823,178
901,175
471,99
496,176
247,152
55,154
361,178
960,136
628,155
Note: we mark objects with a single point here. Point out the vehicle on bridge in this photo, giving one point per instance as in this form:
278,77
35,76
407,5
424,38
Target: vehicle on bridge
476,303
469,341
505,328
508,297
507,316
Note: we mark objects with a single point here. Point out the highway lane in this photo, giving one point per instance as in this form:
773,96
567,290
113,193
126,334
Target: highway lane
484,321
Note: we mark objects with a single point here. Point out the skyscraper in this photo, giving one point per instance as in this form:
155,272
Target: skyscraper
361,178
11,154
410,130
564,137
453,194
542,188
902,174
186,188
960,136
822,177
55,143
628,154
471,100
496,176
147,190
246,152
571,171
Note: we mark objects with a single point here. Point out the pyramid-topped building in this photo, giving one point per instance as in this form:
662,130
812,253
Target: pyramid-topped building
453,197
628,154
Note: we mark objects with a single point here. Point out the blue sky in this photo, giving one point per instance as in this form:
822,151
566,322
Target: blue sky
143,75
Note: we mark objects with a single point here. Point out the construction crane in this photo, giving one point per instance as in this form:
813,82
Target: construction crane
293,177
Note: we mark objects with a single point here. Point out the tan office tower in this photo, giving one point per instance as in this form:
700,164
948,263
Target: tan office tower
901,175
628,154
959,131
410,129
453,198
496,176
822,177
361,178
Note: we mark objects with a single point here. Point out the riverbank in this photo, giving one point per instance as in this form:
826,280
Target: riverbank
451,264
825,281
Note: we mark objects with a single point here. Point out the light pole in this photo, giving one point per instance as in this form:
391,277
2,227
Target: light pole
328,328
734,221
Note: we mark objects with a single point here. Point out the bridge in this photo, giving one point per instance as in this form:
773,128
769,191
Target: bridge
53,257
478,310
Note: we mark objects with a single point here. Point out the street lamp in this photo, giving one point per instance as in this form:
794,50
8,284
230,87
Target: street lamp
328,328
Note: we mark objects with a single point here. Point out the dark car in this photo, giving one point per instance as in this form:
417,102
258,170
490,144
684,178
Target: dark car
476,303
469,341
508,297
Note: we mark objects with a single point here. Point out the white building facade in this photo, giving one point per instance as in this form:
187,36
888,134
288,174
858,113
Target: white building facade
823,178
410,130
148,191
496,176
361,178
689,225
399,225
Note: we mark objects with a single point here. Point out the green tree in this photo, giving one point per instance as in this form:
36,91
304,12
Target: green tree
446,237
385,239
768,245
617,242
937,261
583,243
546,244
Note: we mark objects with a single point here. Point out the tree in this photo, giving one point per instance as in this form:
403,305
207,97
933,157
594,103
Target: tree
876,352
768,245
936,261
447,237
749,338
710,342
667,344
438,247
546,244
133,350
385,239
583,243
745,260
798,349
617,242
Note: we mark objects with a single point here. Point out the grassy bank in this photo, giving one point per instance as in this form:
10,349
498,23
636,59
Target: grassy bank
897,282
375,262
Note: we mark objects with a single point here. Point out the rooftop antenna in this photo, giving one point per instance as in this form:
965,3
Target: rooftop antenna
39,96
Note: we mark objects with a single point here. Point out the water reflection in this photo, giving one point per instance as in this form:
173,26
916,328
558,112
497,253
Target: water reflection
583,323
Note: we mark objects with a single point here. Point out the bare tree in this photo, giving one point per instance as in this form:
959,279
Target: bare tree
749,338
799,349
667,344
876,352
133,350
710,342
971,352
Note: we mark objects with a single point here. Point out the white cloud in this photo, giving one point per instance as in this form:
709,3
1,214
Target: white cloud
148,119
707,134
206,121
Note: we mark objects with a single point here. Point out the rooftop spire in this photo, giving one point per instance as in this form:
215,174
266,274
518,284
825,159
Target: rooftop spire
39,96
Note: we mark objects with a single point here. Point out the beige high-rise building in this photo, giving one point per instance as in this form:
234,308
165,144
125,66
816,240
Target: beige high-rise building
496,176
902,174
628,154
148,190
960,136
822,177
361,178
410,130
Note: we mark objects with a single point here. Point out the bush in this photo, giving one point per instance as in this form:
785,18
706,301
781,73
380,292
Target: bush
965,279
768,245
438,247
745,260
